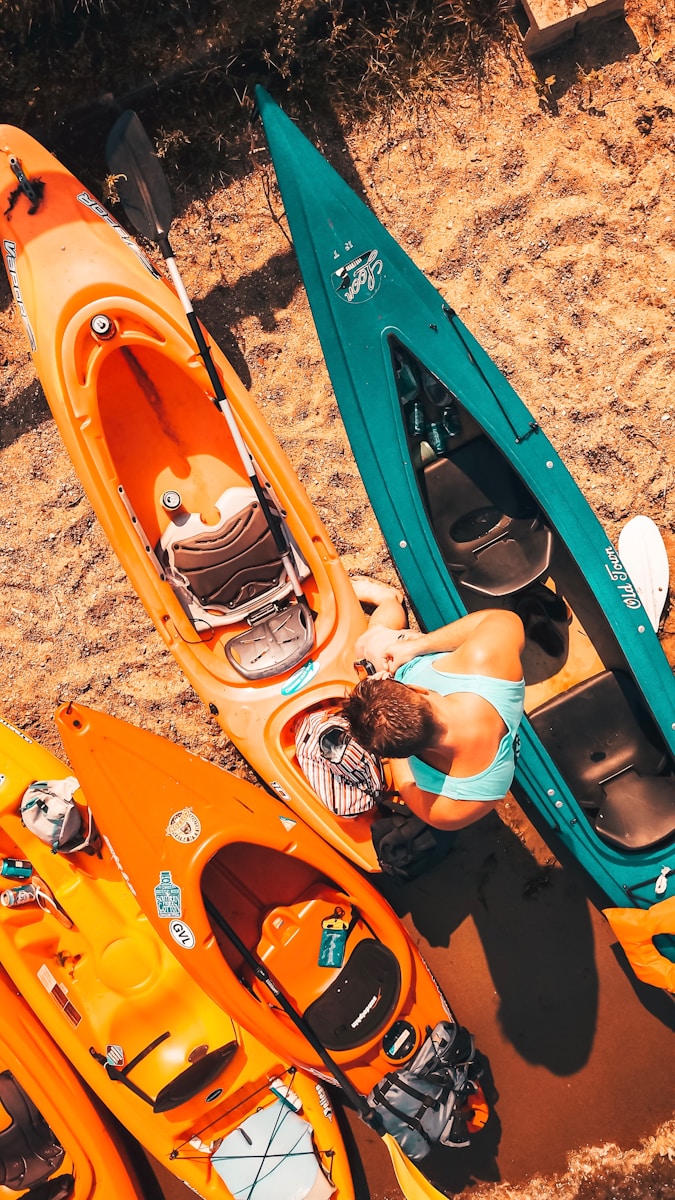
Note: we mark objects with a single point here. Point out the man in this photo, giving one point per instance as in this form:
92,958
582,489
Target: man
444,706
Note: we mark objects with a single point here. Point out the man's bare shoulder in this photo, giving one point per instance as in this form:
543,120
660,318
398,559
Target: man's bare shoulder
495,647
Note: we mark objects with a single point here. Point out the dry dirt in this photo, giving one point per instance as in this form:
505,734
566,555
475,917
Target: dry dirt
542,208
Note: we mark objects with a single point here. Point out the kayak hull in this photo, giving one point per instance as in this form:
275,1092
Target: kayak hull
391,343
133,404
113,997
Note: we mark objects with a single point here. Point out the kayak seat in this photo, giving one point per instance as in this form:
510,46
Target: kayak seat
611,754
360,1002
58,1188
489,529
232,572
233,563
29,1151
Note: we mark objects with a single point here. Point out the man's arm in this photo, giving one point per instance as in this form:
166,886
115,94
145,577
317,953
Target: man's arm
493,636
440,811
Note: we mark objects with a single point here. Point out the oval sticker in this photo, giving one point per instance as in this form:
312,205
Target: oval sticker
182,934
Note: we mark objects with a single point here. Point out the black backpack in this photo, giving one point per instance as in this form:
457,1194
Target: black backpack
405,845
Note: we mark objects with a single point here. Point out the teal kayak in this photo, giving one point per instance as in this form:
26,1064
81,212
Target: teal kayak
478,510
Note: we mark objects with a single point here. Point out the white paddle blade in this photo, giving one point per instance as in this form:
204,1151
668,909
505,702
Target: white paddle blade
643,554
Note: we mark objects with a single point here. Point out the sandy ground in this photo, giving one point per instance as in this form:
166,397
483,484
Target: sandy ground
544,212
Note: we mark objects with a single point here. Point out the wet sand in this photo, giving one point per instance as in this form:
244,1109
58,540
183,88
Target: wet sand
577,1058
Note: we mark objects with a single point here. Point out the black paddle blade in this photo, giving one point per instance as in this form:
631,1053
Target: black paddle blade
139,179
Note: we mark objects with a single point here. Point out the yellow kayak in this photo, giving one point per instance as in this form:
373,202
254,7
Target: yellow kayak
202,1095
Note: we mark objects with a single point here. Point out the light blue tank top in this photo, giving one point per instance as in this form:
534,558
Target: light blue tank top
504,695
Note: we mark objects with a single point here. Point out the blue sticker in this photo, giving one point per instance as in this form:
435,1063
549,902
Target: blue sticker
168,897
301,677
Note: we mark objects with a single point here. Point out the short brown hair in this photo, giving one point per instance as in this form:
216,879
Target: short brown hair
389,718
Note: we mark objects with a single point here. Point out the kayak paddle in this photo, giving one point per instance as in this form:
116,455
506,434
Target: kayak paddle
643,553
144,194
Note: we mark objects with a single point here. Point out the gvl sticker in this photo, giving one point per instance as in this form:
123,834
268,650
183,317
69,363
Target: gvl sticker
168,897
182,934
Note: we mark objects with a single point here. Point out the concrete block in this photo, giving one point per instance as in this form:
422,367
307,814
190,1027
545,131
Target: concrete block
553,22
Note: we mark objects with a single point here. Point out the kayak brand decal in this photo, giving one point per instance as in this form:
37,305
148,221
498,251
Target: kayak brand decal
10,260
324,1102
619,575
182,934
94,206
18,732
120,868
360,279
59,994
184,826
168,898
301,677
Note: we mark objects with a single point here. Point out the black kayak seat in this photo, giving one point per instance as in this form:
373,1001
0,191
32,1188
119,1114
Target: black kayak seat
489,529
29,1151
60,1187
359,1003
610,753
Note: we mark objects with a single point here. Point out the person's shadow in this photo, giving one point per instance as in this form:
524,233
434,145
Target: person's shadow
536,934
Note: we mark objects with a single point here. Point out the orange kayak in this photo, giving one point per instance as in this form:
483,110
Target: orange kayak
133,403
210,856
51,1129
203,1096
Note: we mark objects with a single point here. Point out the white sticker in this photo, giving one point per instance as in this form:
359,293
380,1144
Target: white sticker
182,934
184,826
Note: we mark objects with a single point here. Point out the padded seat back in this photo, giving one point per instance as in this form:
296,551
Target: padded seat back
360,1001
232,564
489,529
612,757
29,1151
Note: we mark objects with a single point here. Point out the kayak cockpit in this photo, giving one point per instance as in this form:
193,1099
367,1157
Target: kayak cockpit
489,530
500,550
193,506
311,938
613,759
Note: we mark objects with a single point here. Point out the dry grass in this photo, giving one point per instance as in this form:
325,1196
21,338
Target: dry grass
189,67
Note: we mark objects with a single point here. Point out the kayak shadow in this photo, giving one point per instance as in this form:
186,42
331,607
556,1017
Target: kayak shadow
535,932
26,411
